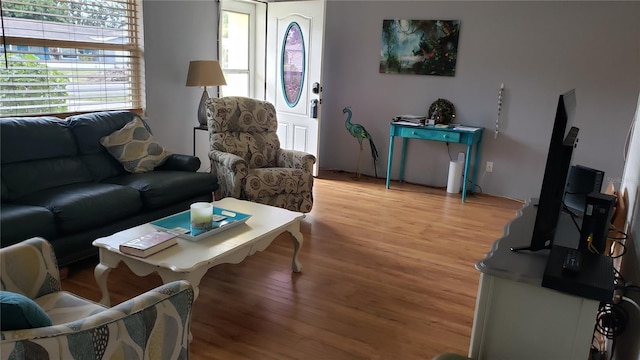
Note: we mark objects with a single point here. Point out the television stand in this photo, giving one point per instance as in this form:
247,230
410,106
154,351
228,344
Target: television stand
517,318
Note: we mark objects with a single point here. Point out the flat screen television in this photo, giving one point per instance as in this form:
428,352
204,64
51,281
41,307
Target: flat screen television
564,137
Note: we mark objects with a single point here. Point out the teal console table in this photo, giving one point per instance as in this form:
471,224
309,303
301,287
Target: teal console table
471,136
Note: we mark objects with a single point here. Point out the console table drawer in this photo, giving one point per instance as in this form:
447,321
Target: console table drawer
429,134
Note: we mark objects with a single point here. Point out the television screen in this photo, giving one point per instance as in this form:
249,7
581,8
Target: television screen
564,137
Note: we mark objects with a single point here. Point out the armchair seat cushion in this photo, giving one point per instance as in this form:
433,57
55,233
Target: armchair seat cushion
162,188
63,307
275,181
86,205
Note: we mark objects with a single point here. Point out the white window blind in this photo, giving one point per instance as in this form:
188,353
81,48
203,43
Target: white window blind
70,56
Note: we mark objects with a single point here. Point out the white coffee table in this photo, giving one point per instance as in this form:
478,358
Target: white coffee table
190,260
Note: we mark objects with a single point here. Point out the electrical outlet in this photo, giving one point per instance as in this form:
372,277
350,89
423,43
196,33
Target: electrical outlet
489,167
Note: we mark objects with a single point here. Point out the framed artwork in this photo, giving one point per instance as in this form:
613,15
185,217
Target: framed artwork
422,47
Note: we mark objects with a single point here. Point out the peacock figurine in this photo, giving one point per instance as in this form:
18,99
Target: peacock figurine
360,133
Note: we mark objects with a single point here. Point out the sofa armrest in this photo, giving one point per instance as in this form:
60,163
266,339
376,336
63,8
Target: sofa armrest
152,325
35,254
230,170
180,162
295,159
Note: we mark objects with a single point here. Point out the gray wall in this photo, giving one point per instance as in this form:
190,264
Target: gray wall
176,32
537,49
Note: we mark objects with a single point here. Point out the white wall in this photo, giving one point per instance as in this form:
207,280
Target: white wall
176,32
537,49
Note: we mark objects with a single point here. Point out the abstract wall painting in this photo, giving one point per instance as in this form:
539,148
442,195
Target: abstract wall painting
422,47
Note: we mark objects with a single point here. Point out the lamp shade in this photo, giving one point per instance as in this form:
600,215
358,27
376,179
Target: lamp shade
205,73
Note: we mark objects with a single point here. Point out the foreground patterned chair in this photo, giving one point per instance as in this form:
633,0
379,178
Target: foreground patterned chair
247,159
153,325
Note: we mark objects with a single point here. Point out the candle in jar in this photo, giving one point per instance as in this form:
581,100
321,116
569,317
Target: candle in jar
201,216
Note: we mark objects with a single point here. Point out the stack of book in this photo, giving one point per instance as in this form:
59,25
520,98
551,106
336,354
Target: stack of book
148,244
415,119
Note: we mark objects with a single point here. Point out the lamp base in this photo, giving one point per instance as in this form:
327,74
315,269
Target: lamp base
202,108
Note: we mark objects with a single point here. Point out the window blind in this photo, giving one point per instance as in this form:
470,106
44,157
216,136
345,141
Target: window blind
70,56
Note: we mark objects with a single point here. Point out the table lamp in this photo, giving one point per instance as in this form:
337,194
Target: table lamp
204,73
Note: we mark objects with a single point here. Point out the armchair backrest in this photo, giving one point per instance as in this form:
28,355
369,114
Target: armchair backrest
245,127
29,268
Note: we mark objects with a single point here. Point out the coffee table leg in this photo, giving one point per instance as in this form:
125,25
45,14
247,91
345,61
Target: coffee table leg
296,266
101,273
193,277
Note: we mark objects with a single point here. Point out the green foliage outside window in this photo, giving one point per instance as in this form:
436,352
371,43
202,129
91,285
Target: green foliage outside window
100,13
31,84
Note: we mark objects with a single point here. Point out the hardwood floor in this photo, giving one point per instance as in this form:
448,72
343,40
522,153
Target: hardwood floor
387,274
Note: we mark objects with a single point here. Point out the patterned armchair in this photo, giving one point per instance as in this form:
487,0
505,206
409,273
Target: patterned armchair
247,159
153,325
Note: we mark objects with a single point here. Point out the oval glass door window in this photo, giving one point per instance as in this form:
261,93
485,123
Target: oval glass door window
292,64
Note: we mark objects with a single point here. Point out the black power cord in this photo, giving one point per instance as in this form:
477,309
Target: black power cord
611,321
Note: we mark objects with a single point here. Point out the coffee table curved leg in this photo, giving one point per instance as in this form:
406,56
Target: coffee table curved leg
101,273
193,277
296,266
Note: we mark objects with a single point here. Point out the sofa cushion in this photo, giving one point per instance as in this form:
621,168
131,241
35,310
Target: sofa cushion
161,188
32,146
19,312
135,148
82,206
34,138
19,222
88,129
27,177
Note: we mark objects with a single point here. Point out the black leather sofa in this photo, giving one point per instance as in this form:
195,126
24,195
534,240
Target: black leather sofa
60,183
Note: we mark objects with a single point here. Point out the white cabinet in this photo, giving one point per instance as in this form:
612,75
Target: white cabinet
517,318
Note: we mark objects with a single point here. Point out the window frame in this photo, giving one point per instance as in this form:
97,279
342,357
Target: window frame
129,51
257,18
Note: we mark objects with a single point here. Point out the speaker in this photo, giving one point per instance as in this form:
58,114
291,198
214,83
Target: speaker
596,221
582,181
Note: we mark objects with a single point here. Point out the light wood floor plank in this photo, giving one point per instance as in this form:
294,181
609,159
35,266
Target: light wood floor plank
387,274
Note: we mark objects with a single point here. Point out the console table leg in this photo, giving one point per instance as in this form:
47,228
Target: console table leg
474,177
101,273
402,159
390,160
466,173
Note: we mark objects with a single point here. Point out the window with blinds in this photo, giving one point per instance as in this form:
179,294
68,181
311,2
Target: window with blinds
70,56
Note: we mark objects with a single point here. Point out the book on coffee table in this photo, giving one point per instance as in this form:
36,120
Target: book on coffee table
180,224
148,244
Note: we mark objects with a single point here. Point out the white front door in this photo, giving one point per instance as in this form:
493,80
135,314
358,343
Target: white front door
295,33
